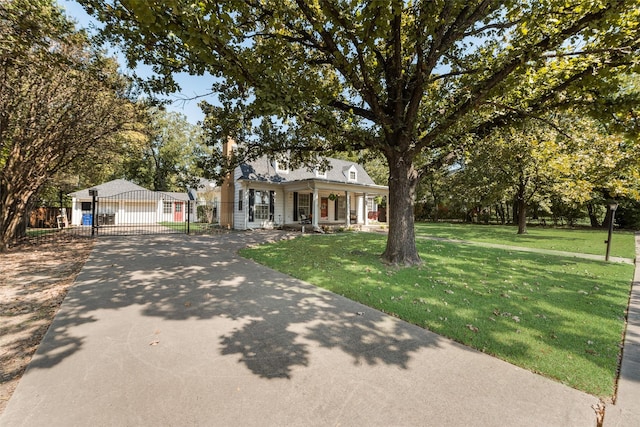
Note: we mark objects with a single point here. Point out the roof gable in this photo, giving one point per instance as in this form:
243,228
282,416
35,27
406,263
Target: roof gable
121,186
351,173
264,170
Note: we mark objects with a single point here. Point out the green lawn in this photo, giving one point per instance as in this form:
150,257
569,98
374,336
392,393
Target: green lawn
194,227
175,225
38,232
560,239
561,317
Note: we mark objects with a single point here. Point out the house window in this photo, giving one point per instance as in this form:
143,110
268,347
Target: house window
342,207
261,205
86,206
369,204
167,207
321,174
304,204
240,199
350,173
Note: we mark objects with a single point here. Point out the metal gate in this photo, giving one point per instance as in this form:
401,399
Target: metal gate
136,213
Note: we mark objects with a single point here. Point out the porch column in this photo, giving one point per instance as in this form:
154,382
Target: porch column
314,220
74,212
348,204
284,208
246,207
366,207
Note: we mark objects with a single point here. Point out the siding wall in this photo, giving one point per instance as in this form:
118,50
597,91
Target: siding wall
138,213
239,216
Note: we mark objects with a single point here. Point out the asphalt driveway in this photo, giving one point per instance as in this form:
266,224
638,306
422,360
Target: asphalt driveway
180,330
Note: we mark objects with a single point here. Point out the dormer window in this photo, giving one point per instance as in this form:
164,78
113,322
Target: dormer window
352,173
320,173
281,167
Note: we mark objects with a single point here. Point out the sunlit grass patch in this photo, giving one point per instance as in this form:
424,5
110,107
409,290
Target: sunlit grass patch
558,316
588,241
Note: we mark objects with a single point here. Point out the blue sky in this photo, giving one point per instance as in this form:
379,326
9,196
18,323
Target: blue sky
191,85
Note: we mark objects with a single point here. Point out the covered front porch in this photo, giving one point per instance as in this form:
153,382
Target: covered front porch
335,227
321,205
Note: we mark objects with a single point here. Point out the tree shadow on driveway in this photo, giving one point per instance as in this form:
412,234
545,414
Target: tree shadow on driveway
276,320
172,330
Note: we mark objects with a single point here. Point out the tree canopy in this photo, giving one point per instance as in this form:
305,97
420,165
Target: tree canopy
533,164
413,80
60,99
166,160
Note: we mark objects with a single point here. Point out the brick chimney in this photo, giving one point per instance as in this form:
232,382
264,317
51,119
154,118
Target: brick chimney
227,189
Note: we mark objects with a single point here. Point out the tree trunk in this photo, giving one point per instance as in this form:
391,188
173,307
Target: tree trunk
522,217
19,181
592,216
401,241
501,213
521,203
13,208
515,214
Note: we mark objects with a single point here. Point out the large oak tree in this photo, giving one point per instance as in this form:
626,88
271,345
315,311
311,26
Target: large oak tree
407,79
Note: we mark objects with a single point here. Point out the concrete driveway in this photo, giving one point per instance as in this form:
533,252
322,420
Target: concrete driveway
180,330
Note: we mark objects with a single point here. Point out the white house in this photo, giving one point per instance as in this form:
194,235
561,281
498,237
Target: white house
121,202
265,193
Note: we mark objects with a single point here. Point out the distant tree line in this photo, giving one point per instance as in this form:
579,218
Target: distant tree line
543,174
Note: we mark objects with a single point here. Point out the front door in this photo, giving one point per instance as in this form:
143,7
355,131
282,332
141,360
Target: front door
177,213
324,207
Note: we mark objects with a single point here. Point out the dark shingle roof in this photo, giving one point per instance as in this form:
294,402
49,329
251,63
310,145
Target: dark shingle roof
263,169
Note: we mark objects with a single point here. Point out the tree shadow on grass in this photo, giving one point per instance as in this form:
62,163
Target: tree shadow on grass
520,304
554,298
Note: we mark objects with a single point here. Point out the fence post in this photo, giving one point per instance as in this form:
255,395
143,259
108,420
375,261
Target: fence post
94,199
188,217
